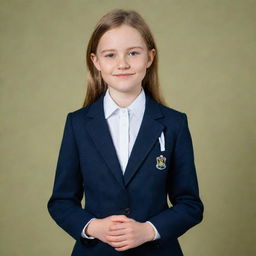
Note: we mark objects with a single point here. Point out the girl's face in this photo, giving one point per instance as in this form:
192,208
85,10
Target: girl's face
122,58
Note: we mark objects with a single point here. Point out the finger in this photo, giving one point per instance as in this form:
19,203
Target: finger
117,222
123,225
117,227
119,244
121,238
119,232
124,248
121,218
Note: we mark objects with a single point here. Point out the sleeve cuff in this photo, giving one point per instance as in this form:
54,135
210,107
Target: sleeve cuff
157,235
83,234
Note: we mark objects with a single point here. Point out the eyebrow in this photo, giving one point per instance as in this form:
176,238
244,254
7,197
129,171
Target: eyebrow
107,50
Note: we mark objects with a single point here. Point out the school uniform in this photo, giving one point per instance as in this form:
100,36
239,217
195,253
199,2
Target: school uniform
124,124
126,161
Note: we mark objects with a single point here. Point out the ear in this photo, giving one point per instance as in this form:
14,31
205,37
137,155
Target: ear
151,55
95,61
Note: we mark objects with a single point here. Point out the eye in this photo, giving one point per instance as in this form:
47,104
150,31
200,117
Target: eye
133,53
109,55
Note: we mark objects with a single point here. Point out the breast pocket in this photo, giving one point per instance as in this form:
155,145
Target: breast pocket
158,160
162,153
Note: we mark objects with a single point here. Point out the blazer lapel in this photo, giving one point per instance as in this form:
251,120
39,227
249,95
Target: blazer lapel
99,131
149,132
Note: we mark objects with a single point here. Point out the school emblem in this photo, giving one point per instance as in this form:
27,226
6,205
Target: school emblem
160,162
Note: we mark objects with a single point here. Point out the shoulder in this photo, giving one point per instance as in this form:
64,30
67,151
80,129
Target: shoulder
78,113
172,114
174,119
89,110
77,118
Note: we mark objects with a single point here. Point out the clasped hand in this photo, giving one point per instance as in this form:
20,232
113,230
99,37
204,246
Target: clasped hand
120,232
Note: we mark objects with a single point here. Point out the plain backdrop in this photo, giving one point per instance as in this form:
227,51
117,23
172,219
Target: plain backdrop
207,52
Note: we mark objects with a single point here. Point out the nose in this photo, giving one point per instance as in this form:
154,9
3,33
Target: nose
123,63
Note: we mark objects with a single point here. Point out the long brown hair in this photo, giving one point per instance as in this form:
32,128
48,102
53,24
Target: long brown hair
115,18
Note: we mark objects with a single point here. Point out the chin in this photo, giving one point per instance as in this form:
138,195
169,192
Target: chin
124,88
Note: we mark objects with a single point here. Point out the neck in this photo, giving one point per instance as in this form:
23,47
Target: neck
124,99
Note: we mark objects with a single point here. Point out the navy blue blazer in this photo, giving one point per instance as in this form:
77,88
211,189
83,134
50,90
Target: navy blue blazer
88,164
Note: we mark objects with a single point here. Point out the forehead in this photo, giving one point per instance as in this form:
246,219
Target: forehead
120,38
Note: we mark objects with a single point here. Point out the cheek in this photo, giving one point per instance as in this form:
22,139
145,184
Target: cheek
106,67
141,69
140,66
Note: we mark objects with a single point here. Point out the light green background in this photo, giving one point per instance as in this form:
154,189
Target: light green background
207,53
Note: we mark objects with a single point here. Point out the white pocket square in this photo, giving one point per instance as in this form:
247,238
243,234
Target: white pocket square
162,142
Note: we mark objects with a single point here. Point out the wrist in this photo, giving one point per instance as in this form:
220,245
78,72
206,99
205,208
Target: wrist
90,229
150,232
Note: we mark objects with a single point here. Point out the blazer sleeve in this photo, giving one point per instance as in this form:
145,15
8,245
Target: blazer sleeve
64,204
187,208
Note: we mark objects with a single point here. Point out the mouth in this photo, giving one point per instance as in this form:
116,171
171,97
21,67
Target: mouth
124,75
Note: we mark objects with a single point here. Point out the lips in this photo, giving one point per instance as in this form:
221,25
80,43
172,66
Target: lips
124,75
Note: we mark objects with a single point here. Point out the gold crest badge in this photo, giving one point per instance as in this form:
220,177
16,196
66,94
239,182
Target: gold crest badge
160,162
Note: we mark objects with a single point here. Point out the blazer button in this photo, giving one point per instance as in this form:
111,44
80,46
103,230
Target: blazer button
127,211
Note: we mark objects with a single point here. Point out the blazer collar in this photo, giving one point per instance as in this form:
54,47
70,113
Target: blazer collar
152,108
148,134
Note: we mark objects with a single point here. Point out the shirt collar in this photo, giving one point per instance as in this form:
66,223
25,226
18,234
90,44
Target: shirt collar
137,107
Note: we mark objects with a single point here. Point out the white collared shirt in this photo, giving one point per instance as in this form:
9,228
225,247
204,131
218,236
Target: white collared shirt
120,127
113,115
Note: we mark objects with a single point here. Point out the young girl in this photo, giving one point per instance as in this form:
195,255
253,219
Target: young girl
126,151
